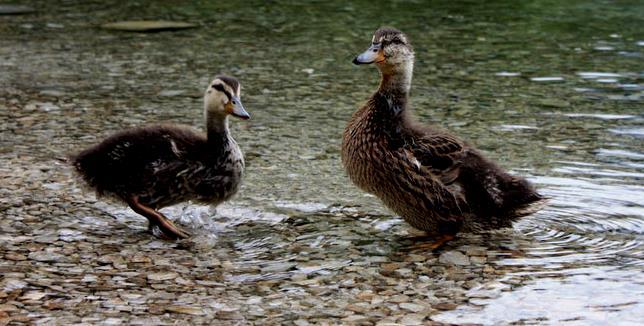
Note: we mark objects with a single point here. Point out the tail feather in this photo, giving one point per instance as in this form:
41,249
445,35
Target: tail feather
530,208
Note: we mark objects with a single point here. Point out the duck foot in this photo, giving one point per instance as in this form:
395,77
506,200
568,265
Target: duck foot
161,232
434,243
169,231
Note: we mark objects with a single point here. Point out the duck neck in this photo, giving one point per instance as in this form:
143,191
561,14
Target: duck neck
218,132
397,80
392,95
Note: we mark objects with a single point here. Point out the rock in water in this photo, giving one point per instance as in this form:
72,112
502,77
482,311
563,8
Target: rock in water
15,10
147,26
454,258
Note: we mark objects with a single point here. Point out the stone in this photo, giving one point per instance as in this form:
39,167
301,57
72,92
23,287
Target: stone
229,315
162,276
413,307
8,307
454,257
185,310
301,322
488,269
32,295
399,298
6,9
445,306
413,319
9,284
15,256
44,256
475,251
53,305
171,93
278,267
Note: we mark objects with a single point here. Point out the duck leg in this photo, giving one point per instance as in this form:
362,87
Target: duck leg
168,229
430,242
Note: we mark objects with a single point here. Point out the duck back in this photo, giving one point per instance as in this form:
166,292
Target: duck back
162,164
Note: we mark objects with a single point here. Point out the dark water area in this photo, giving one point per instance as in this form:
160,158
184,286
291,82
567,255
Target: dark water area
552,90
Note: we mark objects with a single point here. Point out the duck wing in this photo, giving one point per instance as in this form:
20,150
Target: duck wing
440,154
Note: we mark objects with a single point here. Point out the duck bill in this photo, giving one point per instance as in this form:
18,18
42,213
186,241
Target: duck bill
235,108
373,54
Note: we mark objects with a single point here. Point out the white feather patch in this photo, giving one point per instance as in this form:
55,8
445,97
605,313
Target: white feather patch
174,148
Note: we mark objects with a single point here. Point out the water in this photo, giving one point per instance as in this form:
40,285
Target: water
552,90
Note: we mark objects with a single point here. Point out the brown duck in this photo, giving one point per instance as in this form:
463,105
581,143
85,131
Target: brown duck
161,165
431,178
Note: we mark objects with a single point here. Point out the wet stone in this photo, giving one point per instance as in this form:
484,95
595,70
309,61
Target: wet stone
15,256
162,276
454,258
6,9
413,319
44,256
185,310
445,306
412,307
278,267
8,307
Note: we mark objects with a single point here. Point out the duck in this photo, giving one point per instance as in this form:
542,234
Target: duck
160,165
435,181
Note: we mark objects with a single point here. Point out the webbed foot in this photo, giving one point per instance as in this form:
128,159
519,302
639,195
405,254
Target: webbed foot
429,243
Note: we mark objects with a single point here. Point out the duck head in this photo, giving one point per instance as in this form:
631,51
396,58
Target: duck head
222,98
392,54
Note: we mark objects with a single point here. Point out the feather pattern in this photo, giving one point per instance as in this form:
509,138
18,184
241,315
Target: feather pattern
163,165
431,178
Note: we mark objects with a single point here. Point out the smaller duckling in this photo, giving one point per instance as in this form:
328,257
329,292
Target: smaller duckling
152,167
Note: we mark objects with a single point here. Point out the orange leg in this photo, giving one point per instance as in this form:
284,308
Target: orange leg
434,244
168,229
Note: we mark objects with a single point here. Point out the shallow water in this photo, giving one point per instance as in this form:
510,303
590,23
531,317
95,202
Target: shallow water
551,90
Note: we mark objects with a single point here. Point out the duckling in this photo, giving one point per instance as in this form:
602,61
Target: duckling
155,166
435,181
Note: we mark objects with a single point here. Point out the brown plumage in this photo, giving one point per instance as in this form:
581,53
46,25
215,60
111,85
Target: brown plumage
161,165
435,181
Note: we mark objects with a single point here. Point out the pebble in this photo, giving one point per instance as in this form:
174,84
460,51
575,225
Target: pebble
6,9
44,256
185,310
278,267
32,295
445,306
162,276
413,319
15,256
398,298
8,307
412,307
454,258
9,284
